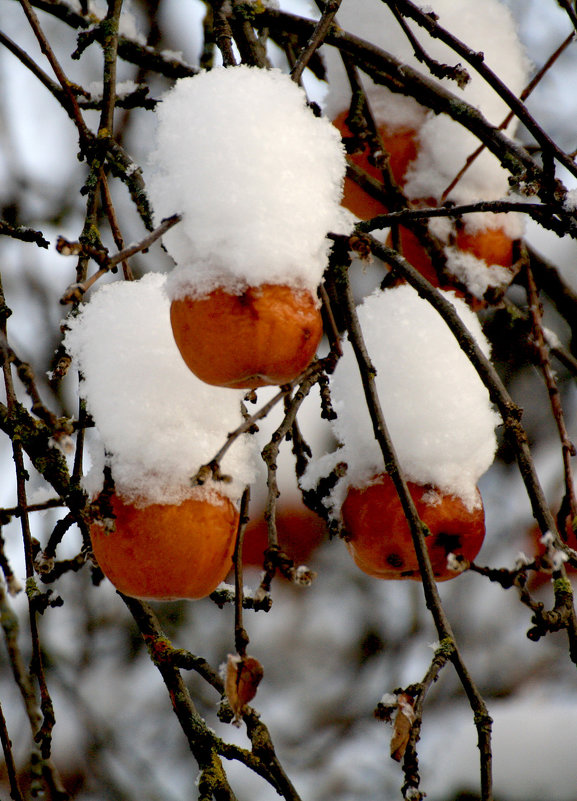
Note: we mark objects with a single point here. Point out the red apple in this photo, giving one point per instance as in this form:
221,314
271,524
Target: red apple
379,538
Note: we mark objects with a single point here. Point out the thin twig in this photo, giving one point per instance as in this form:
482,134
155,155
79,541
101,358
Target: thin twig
316,39
456,73
77,290
114,226
15,793
550,281
16,511
549,217
69,100
241,638
567,447
527,91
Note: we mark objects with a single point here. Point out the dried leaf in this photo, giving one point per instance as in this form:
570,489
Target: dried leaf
243,675
402,726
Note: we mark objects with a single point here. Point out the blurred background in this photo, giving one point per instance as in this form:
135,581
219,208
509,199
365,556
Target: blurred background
331,650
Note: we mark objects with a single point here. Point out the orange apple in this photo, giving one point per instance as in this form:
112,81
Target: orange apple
265,335
492,245
379,538
167,551
300,532
401,146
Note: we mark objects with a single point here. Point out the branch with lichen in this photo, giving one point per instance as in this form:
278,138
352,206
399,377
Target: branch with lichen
205,746
418,533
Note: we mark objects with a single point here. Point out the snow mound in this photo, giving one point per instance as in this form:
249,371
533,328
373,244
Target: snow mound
157,422
257,177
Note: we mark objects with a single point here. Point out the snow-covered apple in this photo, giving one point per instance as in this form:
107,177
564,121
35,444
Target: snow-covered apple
157,535
257,178
441,423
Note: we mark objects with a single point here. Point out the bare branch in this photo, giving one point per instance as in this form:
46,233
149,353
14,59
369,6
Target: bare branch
315,41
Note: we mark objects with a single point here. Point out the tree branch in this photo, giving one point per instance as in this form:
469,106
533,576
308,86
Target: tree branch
432,598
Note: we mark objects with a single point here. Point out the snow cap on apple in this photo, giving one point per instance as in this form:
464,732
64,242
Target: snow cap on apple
157,423
435,406
444,145
256,176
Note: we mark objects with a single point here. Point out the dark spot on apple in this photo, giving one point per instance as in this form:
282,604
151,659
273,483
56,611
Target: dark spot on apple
394,560
450,543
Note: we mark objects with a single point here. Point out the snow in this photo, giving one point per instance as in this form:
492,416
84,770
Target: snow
437,410
551,338
476,274
123,344
257,177
571,200
443,144
524,766
122,89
